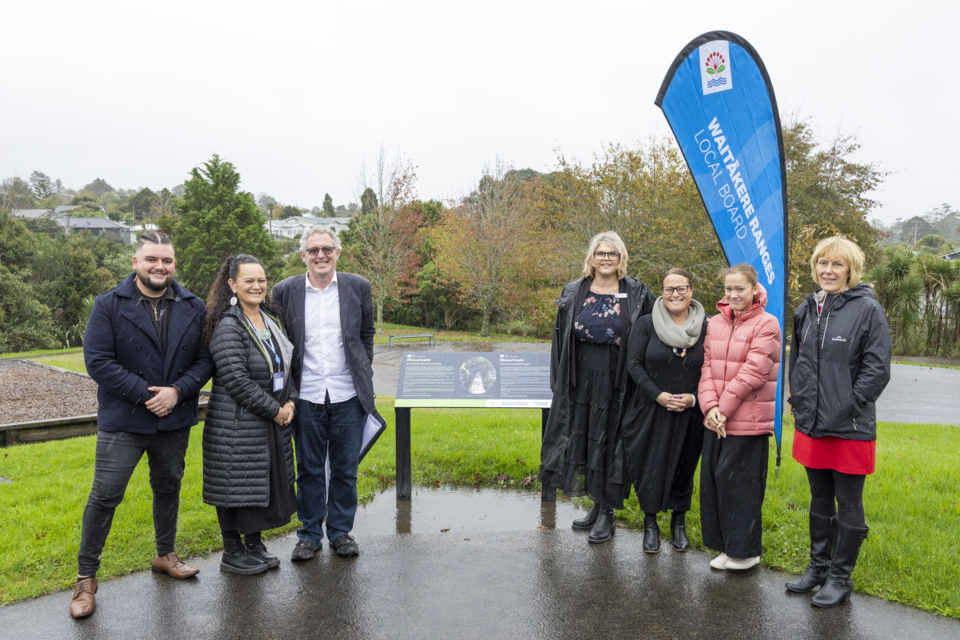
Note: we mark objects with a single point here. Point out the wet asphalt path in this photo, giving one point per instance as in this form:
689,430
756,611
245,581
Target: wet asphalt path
494,574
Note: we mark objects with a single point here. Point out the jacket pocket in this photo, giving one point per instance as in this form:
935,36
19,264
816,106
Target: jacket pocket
837,404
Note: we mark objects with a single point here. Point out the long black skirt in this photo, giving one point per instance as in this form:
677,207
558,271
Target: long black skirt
663,450
594,461
283,497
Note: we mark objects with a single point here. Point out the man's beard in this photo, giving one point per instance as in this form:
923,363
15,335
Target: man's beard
145,281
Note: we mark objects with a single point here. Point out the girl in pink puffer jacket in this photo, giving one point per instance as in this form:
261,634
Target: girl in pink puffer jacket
738,394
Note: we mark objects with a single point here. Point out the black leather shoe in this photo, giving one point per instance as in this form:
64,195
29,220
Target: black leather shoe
586,523
821,537
304,551
256,548
651,535
678,532
345,546
605,526
236,559
838,585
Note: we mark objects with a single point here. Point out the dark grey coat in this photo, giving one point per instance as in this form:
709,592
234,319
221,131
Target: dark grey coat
236,456
562,360
356,325
839,364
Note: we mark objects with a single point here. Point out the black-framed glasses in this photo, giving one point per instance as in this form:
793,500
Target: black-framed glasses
682,290
314,251
601,255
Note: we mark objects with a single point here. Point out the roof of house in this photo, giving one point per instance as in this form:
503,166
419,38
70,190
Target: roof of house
30,213
64,208
953,255
92,223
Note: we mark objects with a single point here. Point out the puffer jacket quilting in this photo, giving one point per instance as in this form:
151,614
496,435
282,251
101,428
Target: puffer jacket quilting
236,459
740,365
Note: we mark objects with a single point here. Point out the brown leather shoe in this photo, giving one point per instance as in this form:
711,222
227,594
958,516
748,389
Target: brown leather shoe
83,602
172,565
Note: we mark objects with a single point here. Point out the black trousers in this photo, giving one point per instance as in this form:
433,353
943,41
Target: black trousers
117,456
733,480
835,493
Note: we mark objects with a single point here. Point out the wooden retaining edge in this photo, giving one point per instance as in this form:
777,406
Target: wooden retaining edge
58,428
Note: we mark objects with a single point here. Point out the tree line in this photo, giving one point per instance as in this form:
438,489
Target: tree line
494,259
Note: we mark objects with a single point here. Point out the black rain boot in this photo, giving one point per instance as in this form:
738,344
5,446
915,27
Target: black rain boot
821,537
256,548
605,527
586,523
236,559
678,531
651,534
838,585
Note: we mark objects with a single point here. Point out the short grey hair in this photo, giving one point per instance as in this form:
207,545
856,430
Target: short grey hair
315,231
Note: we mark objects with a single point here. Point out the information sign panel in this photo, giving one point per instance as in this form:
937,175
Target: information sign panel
481,380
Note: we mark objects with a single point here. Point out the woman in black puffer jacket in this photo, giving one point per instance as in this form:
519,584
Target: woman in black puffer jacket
247,452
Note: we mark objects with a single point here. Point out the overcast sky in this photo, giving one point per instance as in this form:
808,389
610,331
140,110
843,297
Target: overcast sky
298,94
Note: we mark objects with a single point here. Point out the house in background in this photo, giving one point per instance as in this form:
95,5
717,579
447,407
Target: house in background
100,228
32,214
298,225
953,255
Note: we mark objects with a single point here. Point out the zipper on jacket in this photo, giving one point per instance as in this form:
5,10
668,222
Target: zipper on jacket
826,327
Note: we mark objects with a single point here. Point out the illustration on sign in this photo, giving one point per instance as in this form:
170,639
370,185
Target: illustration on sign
478,375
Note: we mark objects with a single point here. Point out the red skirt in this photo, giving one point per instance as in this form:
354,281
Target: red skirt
857,457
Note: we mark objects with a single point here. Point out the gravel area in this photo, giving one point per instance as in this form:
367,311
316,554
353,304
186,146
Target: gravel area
39,393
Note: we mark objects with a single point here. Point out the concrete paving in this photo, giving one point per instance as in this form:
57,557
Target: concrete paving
501,571
925,395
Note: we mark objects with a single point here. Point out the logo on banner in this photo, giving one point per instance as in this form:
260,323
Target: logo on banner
715,72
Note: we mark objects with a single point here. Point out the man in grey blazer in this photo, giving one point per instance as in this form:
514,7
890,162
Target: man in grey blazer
329,316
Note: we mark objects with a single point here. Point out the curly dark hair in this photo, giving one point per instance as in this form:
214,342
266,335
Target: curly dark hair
220,293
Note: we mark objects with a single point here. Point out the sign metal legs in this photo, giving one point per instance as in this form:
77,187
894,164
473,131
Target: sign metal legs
404,479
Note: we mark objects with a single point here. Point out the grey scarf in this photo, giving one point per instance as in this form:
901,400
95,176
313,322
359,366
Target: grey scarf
678,336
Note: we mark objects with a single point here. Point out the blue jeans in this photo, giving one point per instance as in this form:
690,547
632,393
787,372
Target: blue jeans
117,456
318,430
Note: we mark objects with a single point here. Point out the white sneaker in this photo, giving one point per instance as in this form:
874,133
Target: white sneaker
720,562
737,564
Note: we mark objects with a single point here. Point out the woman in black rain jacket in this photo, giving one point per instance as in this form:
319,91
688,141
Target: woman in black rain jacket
839,365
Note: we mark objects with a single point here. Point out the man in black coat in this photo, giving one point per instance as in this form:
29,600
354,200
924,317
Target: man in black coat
329,317
144,349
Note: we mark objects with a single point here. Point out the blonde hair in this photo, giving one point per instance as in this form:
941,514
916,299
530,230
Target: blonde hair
844,249
610,238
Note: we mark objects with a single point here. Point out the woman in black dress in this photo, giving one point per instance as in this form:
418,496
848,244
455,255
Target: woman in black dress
662,424
247,450
582,451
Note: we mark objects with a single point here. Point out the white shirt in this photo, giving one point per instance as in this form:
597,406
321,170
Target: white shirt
324,361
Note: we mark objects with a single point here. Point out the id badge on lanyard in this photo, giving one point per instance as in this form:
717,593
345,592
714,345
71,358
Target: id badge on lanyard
278,381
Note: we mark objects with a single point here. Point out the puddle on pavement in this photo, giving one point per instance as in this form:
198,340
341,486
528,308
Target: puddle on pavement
462,510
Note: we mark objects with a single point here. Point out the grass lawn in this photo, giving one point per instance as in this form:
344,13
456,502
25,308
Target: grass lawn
924,364
913,503
47,352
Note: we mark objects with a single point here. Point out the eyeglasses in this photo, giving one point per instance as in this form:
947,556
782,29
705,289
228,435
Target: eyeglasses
314,251
602,255
682,290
